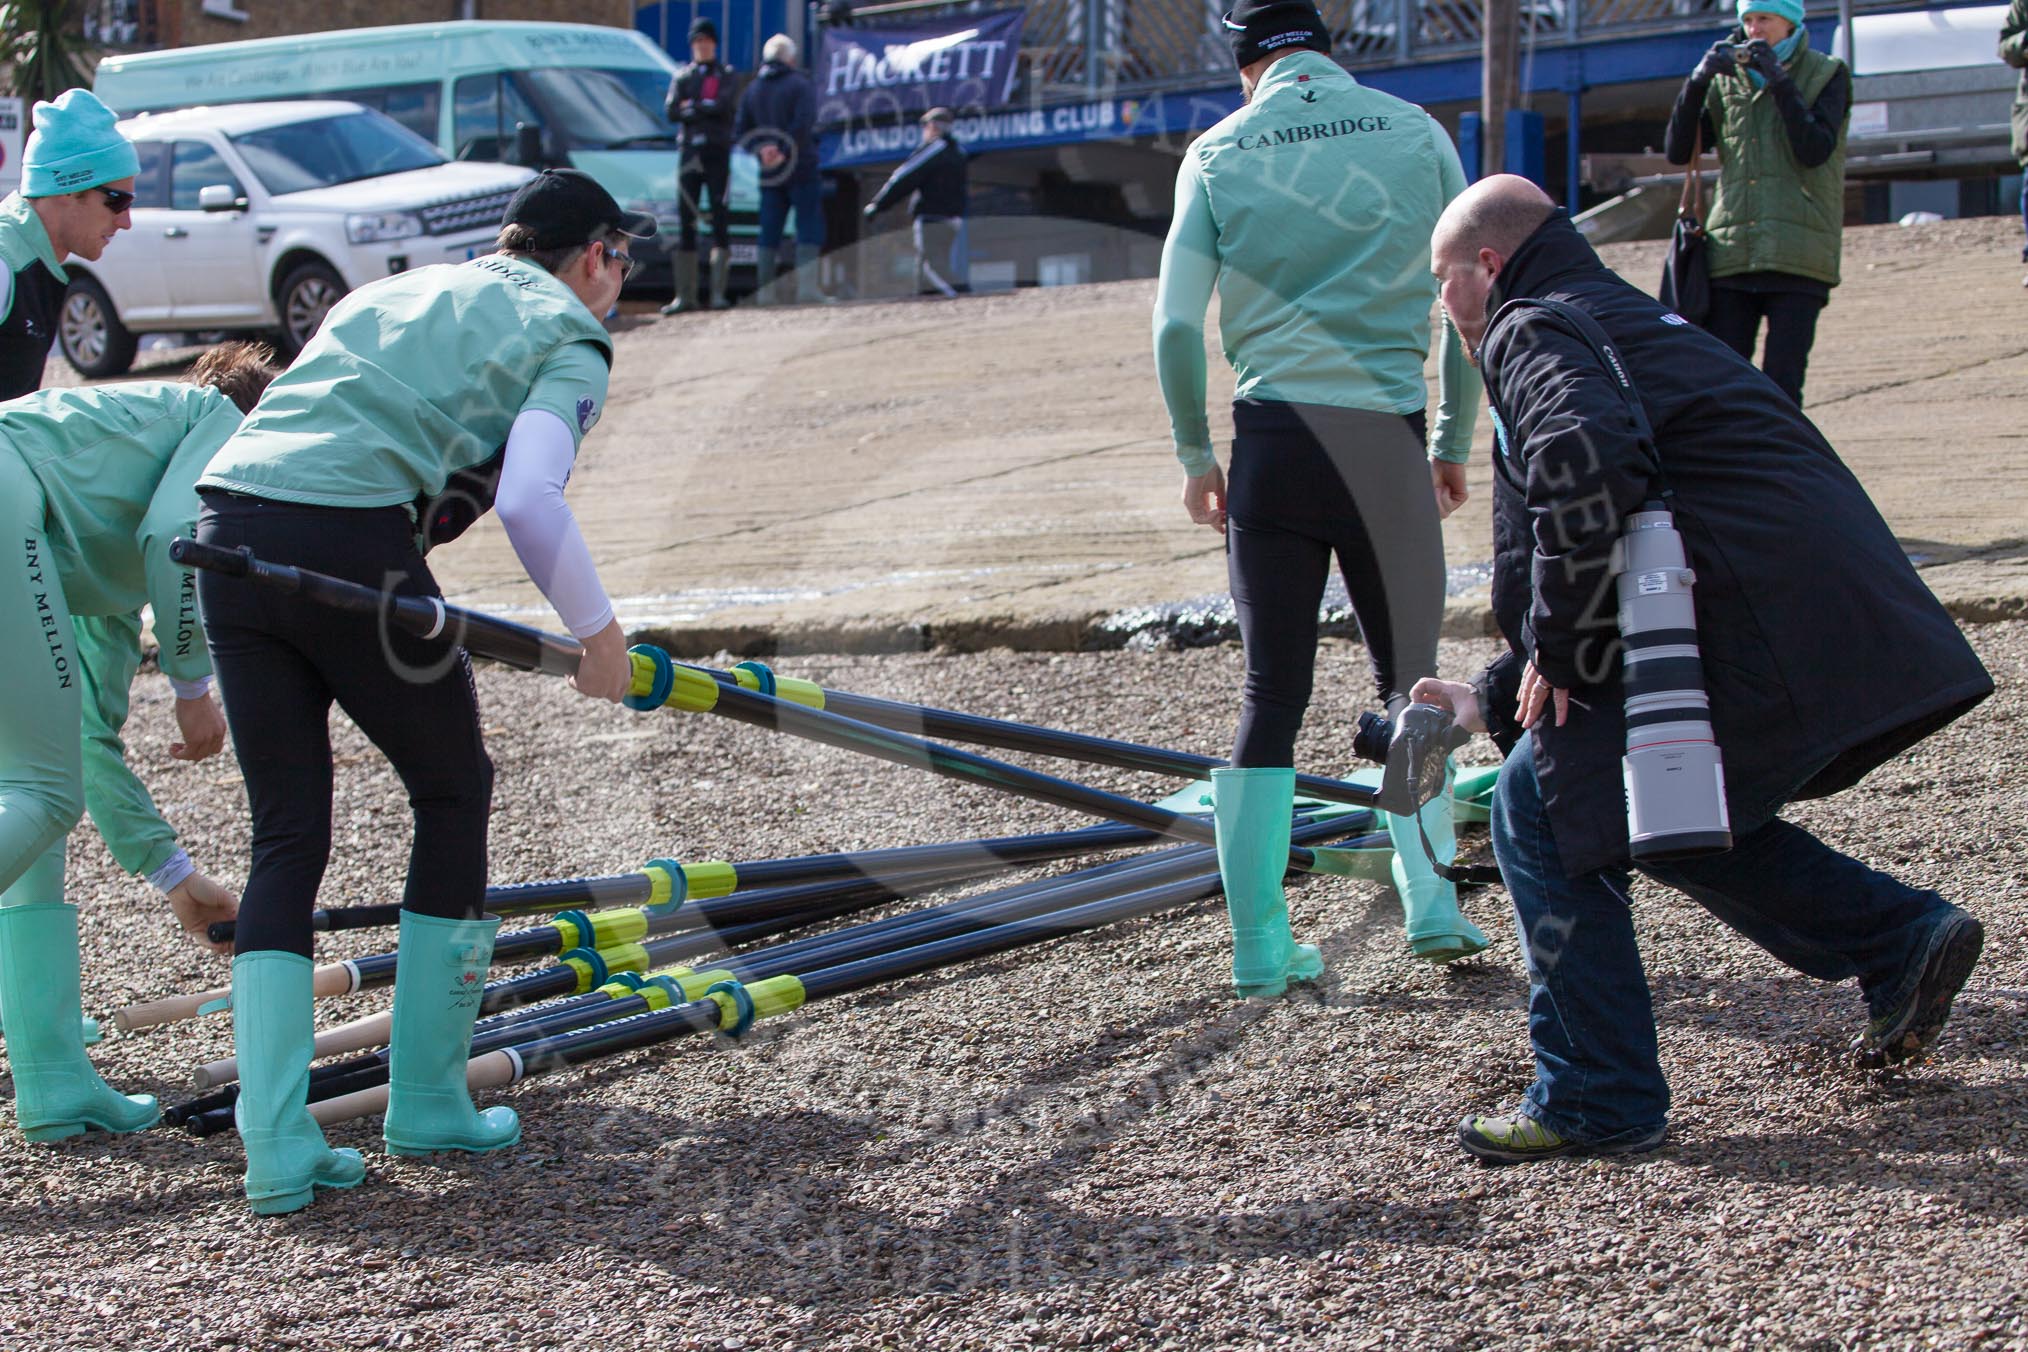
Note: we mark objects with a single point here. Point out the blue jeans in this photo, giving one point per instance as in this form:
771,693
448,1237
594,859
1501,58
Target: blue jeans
1598,1078
806,199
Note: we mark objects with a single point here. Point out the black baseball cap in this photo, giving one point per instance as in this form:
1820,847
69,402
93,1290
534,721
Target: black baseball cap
703,28
567,207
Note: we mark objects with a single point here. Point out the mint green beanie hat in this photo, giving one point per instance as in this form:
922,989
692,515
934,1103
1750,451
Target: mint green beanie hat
75,145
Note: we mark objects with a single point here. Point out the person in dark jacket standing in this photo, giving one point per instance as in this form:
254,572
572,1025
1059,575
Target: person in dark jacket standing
1801,590
2014,51
778,122
1776,112
702,102
77,183
937,183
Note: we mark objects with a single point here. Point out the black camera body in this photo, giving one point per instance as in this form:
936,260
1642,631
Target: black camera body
1412,746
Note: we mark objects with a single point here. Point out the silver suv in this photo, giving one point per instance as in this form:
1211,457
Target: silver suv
259,216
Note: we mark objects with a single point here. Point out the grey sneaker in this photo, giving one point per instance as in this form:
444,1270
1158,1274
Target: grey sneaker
1518,1139
1906,1033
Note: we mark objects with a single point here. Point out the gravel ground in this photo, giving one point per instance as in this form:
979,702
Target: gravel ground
1089,1145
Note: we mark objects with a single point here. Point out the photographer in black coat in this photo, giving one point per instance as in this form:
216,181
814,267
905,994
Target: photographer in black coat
1823,655
937,185
703,98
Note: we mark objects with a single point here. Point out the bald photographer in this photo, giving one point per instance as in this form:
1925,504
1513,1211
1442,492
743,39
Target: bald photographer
1804,647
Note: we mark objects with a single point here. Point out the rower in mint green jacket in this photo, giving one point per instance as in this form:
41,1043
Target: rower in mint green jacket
94,483
1309,213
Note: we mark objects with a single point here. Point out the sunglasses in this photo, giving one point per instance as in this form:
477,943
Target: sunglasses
116,201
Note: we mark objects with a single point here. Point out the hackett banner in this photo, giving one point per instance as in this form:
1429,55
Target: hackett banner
963,64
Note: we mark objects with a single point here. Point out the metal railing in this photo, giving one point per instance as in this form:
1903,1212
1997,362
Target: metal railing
1087,48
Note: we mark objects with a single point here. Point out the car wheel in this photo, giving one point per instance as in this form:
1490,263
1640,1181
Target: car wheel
89,331
307,295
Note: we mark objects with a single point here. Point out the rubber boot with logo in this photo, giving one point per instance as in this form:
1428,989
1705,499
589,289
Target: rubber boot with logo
437,986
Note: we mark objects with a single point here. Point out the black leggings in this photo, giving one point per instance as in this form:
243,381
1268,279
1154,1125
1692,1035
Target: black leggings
282,661
704,170
1308,482
1791,330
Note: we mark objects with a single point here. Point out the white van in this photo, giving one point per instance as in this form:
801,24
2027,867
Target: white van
528,93
261,215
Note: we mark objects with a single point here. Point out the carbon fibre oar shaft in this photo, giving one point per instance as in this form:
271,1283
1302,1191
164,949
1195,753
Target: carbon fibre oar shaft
825,950
657,680
1005,735
583,940
695,691
499,1000
711,878
771,909
731,1006
1029,904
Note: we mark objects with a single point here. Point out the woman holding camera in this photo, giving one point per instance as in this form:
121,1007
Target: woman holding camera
1775,111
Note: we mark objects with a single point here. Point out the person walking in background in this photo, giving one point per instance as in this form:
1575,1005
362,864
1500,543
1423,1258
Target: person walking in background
77,183
2014,51
1776,112
778,122
702,103
937,182
1309,213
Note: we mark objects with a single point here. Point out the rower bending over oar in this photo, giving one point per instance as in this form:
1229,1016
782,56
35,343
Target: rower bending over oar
421,394
95,483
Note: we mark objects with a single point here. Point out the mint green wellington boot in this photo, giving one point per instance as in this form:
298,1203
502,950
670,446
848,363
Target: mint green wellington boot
1437,930
436,998
1252,809
56,1091
88,1027
286,1158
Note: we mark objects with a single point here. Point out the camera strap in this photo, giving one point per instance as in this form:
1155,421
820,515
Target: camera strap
1594,336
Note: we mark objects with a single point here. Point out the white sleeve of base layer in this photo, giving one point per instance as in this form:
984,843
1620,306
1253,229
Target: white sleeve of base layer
539,524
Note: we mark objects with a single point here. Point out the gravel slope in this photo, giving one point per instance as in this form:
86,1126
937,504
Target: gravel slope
1090,1145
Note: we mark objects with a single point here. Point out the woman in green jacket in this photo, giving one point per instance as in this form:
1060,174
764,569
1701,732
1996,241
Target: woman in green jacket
1775,111
94,483
2014,51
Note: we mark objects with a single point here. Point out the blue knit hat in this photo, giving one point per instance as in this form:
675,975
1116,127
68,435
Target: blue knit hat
75,145
1792,10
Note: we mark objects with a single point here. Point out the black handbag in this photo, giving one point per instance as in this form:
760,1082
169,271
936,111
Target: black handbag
1686,273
